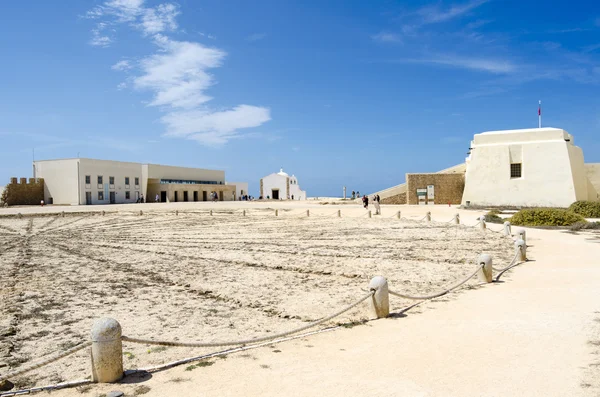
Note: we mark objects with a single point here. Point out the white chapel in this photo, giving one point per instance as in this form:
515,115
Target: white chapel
281,186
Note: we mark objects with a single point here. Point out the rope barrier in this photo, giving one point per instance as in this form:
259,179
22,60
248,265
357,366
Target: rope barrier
248,341
49,388
512,264
46,361
438,294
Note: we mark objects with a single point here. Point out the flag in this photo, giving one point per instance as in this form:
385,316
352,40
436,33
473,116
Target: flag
540,109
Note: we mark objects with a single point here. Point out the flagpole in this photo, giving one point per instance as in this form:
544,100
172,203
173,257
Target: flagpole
540,115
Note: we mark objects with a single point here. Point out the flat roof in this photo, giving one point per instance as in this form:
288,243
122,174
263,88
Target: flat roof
127,162
525,130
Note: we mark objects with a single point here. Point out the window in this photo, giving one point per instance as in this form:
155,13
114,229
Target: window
515,170
137,181
111,180
101,196
100,182
127,195
88,179
127,180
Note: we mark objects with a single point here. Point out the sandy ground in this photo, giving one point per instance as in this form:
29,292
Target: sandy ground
194,277
535,334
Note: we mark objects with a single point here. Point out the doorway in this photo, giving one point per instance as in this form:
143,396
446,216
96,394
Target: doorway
195,196
204,196
88,198
185,195
163,196
113,198
275,194
221,196
176,196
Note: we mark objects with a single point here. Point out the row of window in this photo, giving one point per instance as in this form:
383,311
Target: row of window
111,180
101,196
189,182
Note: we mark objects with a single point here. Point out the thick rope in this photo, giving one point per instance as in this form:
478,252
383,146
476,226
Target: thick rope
512,262
47,361
438,294
248,341
46,388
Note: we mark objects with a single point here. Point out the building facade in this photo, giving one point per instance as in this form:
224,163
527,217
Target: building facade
538,167
281,186
87,181
241,188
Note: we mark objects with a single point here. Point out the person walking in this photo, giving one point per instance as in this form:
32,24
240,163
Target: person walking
157,199
365,200
376,204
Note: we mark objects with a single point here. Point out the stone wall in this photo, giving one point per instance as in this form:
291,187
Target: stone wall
448,188
396,199
23,193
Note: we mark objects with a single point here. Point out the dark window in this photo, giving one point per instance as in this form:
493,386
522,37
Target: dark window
88,179
101,196
515,170
127,196
100,180
137,181
111,180
127,180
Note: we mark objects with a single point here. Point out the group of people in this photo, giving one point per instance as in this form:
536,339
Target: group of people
245,197
376,203
355,194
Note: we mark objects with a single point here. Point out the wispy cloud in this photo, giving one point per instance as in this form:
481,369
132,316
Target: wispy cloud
99,39
386,37
256,37
490,65
177,76
436,14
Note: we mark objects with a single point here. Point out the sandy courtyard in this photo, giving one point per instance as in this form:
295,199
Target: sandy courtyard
196,277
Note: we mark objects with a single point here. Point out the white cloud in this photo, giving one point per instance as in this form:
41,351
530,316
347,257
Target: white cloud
497,66
385,37
122,65
121,86
98,40
435,14
256,36
159,19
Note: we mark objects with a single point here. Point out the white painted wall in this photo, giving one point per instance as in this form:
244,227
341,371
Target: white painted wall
105,168
553,172
295,190
60,180
279,181
241,188
592,171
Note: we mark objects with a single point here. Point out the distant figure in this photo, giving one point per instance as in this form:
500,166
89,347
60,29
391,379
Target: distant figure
365,200
42,203
353,195
376,204
142,199
292,196
357,193
157,199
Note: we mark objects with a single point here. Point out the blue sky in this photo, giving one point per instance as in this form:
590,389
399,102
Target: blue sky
353,93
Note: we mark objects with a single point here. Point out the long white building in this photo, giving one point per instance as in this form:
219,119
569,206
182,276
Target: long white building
81,181
538,167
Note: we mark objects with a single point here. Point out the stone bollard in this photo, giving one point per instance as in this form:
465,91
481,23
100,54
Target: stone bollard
19,215
457,219
176,212
398,215
141,213
63,214
507,228
103,213
211,213
380,302
369,213
107,351
276,212
521,234
339,213
244,213
482,224
521,250
428,216
307,212
485,273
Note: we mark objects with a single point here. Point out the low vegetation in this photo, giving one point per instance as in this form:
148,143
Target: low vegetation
493,217
546,217
585,226
587,209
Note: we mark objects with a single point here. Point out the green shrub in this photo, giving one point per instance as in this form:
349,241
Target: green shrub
545,217
584,225
492,217
587,209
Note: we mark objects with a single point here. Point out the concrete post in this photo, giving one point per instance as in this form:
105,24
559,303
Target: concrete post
103,213
428,216
276,212
339,213
63,214
211,213
369,213
485,273
244,213
307,212
522,235
507,228
457,219
398,215
482,224
176,212
107,351
141,213
380,302
521,250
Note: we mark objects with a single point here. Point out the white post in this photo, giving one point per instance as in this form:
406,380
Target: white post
482,225
103,213
63,214
344,192
307,212
380,303
485,273
339,213
276,212
522,235
176,212
369,213
244,213
540,115
507,228
457,219
107,351
521,250
428,216
398,215
141,213
210,212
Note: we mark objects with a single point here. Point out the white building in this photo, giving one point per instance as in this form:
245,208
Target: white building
87,181
241,188
538,167
281,186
